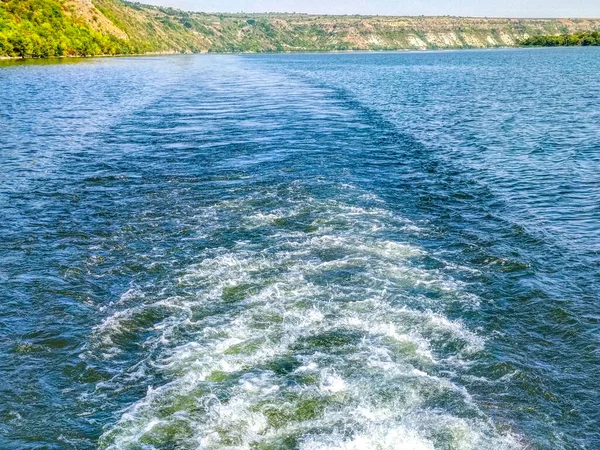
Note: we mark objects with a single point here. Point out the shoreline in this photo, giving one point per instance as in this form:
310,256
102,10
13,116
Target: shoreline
296,52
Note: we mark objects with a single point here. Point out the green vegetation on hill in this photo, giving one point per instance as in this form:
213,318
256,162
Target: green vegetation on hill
45,28
169,29
564,40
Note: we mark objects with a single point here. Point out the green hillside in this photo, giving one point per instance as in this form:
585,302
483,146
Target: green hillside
46,28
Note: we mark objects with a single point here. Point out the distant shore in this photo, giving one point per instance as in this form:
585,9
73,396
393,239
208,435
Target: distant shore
81,28
299,52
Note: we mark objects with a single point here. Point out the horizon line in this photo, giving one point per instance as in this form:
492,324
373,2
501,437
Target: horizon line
362,15
451,16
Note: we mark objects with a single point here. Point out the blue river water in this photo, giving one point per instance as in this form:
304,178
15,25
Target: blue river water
387,251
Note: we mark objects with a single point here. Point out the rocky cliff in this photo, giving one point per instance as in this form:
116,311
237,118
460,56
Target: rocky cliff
170,29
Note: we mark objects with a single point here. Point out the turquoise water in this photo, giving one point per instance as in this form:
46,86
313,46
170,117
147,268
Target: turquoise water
336,251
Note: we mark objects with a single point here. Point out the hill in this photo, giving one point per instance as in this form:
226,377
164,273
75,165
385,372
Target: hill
43,28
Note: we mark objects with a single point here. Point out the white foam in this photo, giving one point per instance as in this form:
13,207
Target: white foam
333,383
293,354
397,438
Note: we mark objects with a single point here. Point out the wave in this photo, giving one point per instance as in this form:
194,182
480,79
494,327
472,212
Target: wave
328,331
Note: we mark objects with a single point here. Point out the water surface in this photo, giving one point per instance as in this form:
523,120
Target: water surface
334,251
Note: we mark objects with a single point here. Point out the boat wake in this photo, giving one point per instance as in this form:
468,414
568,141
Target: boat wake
326,332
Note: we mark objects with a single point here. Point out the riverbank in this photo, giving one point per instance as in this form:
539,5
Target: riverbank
331,52
565,40
116,27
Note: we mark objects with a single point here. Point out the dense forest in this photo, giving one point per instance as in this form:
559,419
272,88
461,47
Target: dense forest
46,28
564,40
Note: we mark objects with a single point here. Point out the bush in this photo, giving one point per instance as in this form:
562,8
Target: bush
564,40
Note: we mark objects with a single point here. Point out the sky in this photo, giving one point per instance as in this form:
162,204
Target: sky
478,8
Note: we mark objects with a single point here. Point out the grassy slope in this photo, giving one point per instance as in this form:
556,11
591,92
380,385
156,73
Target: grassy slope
133,27
183,31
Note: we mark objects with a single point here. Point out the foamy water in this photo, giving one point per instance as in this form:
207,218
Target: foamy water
313,339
